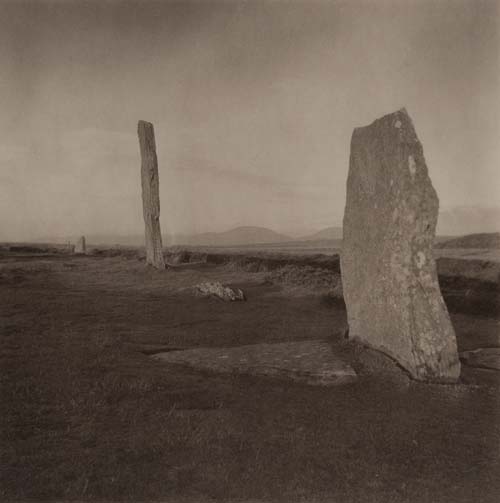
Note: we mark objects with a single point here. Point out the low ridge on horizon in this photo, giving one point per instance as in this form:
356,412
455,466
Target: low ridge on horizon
240,235
454,222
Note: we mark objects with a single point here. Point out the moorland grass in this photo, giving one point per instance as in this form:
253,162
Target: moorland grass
85,415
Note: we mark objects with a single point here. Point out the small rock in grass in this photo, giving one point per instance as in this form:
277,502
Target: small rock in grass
219,290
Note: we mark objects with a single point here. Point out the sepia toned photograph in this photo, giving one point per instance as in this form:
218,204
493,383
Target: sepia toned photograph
250,251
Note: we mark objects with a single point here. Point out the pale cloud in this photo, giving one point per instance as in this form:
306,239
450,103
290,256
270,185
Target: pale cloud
94,142
88,181
249,180
253,104
10,153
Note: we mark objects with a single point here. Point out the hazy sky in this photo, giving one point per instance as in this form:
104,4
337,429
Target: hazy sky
253,105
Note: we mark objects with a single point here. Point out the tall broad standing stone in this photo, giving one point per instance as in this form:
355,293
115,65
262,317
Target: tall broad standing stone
150,195
389,274
80,246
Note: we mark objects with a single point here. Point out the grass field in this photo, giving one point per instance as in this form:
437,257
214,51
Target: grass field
87,415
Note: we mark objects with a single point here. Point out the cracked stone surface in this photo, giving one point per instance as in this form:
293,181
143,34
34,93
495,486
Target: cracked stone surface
150,195
389,275
311,362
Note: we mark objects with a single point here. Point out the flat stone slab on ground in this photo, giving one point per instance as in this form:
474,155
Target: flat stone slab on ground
488,358
312,362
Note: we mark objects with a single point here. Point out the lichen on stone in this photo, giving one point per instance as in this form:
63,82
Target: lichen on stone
412,166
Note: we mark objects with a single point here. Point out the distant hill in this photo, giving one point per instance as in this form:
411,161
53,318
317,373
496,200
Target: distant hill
120,240
324,234
235,237
463,220
94,239
453,222
484,240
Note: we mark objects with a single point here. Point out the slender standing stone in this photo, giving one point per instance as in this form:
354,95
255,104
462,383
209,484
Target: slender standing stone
150,195
389,275
80,246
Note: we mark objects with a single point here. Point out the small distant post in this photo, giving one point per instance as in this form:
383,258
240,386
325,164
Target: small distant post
81,247
150,194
